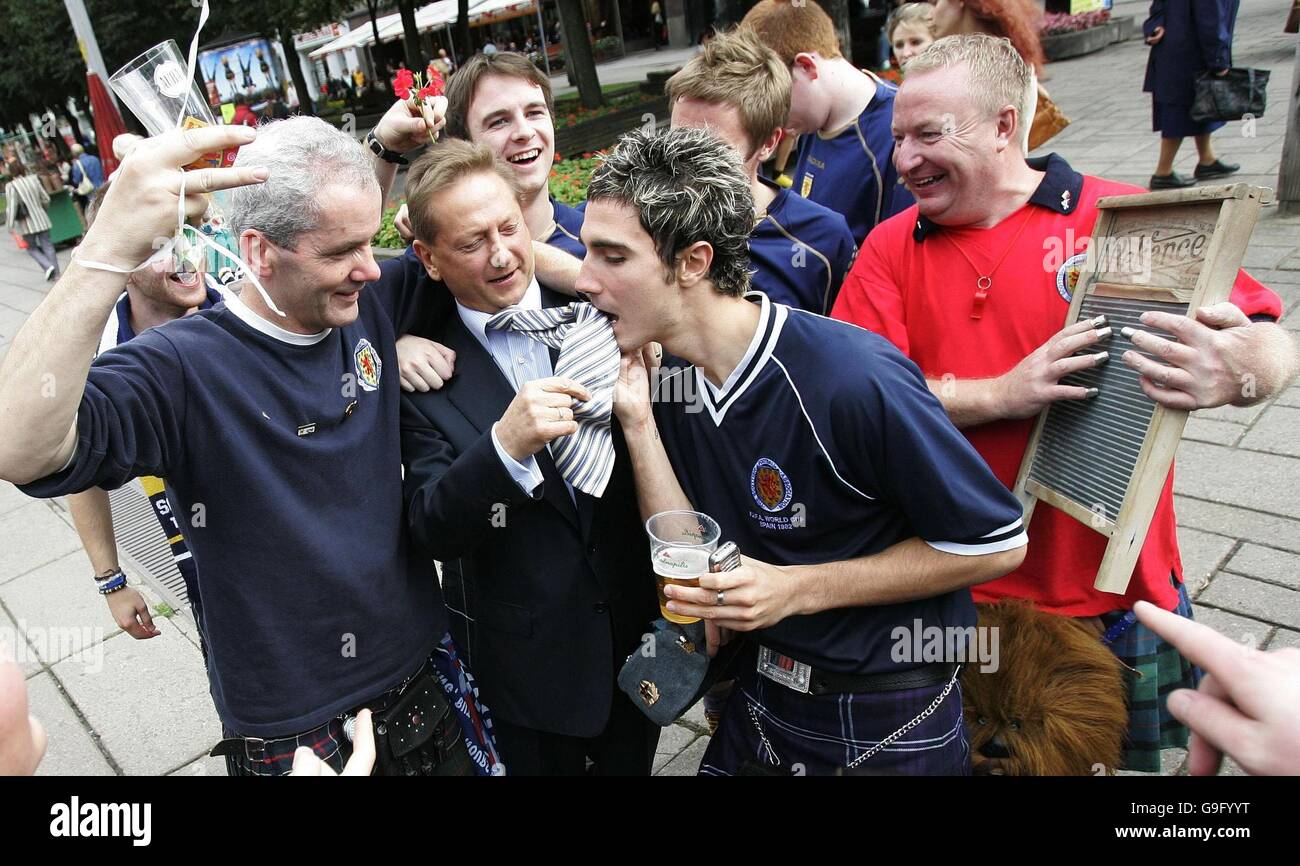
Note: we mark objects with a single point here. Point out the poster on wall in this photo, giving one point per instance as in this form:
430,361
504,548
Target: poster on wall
247,67
1077,6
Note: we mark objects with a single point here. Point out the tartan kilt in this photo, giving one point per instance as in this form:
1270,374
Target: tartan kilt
1155,669
768,728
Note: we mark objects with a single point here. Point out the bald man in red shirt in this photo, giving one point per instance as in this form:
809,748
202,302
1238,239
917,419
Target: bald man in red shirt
973,283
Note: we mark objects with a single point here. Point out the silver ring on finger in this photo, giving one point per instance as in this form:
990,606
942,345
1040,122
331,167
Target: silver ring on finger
721,599
559,414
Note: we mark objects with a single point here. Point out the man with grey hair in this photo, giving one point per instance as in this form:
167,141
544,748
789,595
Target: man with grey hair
973,283
859,508
274,419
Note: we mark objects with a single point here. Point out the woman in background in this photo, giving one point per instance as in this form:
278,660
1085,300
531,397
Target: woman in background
25,203
1016,21
909,31
1187,39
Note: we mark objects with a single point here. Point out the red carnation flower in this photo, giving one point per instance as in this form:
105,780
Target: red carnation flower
402,83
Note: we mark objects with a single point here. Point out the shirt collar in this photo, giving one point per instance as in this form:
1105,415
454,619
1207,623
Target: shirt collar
475,321
1058,191
270,329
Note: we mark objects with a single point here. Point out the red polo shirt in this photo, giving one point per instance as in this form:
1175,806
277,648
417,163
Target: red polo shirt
912,285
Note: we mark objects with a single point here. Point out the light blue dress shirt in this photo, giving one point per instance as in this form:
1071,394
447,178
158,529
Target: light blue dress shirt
521,359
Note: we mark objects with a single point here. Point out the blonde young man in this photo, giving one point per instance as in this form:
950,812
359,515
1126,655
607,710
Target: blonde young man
740,90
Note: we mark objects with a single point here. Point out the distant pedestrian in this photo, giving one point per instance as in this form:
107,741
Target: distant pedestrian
657,23
86,175
25,215
243,114
1187,40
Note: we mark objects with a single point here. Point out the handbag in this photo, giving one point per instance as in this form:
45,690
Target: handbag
20,207
1048,120
87,186
1230,97
671,670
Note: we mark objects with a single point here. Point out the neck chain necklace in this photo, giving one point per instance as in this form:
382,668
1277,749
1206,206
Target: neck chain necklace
984,283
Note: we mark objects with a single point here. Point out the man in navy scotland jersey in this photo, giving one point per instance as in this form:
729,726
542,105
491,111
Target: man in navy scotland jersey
859,508
740,90
842,115
277,432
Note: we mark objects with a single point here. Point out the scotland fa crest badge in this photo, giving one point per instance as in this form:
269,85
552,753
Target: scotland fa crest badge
1067,276
769,486
368,365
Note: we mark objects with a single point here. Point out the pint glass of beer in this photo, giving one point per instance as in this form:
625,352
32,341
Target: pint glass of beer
680,544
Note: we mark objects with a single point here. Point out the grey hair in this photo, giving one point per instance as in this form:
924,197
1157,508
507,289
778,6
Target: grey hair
686,185
998,75
303,154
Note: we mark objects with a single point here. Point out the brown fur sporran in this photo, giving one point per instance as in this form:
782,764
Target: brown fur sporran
1056,704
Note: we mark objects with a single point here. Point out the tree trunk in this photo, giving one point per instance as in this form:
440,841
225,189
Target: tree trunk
294,62
411,36
577,52
460,34
1288,176
378,77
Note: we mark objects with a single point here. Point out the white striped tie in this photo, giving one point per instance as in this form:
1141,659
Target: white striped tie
588,355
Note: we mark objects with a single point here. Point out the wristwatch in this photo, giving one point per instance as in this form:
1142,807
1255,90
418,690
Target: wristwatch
382,152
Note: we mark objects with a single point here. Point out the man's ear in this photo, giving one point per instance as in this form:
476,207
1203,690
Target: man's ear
807,63
425,254
1008,128
693,263
768,146
258,252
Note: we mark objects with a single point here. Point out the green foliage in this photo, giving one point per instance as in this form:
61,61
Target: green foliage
571,112
388,236
164,610
569,178
40,65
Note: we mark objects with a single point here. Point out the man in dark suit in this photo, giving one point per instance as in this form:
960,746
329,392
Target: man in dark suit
549,589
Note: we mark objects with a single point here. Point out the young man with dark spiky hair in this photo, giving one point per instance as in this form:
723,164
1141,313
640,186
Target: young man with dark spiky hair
858,507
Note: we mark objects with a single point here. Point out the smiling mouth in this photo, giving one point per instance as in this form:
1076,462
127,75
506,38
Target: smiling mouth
504,279
930,181
528,157
186,280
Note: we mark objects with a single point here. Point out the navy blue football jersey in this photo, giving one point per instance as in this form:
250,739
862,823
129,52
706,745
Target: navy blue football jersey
282,454
852,172
568,228
826,445
801,252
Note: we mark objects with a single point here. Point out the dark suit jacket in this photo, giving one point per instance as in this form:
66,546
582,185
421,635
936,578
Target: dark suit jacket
547,596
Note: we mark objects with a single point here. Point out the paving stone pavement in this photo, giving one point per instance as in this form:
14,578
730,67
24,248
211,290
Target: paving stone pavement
114,705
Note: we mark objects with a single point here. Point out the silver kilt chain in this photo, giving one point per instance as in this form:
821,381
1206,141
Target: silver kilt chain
934,705
921,717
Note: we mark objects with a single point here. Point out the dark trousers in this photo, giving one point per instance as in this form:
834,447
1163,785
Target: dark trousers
625,748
